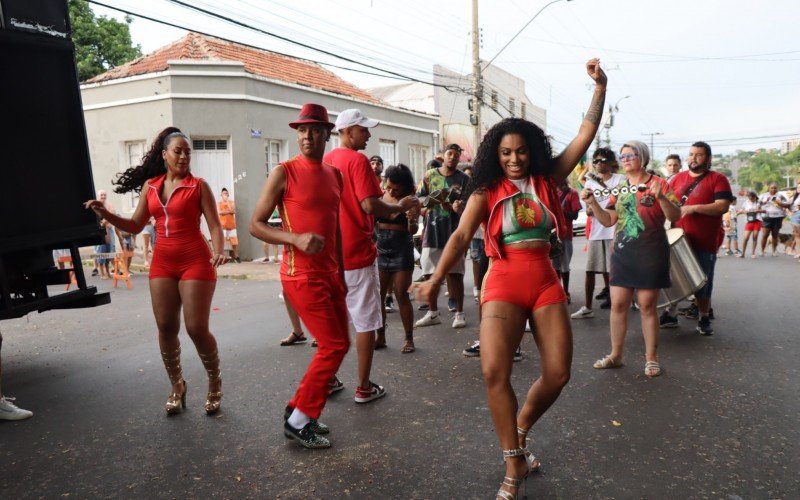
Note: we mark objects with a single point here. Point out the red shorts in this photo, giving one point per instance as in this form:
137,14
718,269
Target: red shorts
182,262
753,226
525,278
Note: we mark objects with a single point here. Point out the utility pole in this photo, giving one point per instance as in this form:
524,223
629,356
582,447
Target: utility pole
653,134
477,98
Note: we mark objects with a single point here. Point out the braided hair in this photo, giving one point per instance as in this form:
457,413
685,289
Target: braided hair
152,165
488,171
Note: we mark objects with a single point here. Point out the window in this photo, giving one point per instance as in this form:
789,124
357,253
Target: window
387,152
134,151
522,111
418,159
273,150
512,106
494,100
209,144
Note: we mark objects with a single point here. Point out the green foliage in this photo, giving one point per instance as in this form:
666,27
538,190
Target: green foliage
769,166
101,43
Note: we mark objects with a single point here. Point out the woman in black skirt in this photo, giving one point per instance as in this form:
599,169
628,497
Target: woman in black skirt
396,250
640,256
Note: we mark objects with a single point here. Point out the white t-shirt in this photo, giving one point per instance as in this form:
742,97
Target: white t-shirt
751,206
599,231
766,200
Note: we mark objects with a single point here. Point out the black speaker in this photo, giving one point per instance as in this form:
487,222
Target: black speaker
45,173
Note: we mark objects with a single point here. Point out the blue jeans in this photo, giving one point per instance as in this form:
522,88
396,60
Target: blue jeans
708,262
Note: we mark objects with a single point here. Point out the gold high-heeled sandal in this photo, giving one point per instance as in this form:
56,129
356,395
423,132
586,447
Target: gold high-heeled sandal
211,364
512,481
534,464
172,363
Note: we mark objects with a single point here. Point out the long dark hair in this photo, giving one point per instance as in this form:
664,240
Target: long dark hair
152,164
488,172
401,175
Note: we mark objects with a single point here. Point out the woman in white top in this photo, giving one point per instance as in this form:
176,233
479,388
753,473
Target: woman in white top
775,205
752,208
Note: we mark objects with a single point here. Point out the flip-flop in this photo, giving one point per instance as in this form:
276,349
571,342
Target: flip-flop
652,369
294,339
408,348
606,362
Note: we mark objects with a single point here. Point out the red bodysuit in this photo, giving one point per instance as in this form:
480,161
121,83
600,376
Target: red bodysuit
182,252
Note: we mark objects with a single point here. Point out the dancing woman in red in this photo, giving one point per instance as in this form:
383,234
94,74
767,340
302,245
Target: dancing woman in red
513,194
182,271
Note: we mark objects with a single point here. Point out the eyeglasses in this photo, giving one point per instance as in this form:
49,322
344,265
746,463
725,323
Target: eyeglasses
599,160
628,156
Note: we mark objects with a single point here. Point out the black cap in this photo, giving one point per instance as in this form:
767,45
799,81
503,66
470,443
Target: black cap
375,158
454,146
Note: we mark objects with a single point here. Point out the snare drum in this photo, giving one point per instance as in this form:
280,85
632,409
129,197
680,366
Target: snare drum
684,271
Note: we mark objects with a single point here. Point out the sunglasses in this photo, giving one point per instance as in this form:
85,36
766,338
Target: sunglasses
599,160
628,156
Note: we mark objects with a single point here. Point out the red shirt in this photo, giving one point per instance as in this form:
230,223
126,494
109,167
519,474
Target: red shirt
310,204
703,232
360,183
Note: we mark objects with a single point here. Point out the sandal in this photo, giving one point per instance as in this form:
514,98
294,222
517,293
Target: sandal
652,369
606,362
534,464
408,348
293,339
513,482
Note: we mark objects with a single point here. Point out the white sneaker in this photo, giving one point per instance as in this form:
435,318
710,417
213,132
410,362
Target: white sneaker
430,318
9,411
583,312
280,297
460,320
474,291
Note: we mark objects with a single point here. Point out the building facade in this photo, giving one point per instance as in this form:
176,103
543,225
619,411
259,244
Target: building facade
235,103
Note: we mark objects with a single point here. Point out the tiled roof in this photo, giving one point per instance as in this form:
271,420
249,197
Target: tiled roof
258,62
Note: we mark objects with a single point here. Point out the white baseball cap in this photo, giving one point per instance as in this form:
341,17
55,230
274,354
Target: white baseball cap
351,117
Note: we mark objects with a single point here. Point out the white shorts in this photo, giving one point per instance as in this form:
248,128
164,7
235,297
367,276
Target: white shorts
364,298
229,233
430,259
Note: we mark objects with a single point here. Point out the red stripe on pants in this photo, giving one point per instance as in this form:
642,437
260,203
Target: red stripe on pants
320,303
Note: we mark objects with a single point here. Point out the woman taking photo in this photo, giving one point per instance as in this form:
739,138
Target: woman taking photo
513,194
396,251
640,256
182,271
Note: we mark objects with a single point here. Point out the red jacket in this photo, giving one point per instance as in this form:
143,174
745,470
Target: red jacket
545,189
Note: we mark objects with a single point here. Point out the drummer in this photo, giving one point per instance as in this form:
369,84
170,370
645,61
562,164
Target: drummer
640,255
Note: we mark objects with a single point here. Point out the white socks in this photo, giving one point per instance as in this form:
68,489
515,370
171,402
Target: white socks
298,419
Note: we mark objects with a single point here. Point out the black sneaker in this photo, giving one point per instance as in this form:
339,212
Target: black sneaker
95,272
668,321
335,386
690,312
305,437
473,351
604,294
518,354
606,304
704,326
316,425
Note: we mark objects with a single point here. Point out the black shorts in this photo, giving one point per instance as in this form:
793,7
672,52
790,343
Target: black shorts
395,250
772,223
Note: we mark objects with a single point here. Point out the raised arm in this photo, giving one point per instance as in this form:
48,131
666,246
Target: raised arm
569,158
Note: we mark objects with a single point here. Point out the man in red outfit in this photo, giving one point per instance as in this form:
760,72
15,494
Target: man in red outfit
307,193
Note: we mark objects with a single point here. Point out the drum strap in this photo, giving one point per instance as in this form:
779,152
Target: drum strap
689,190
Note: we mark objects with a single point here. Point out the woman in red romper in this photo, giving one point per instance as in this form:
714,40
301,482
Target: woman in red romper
183,269
513,194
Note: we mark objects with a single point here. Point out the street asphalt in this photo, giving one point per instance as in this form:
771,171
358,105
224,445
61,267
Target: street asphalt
721,422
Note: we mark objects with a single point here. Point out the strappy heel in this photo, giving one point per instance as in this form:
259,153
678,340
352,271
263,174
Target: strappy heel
513,482
211,364
534,464
172,363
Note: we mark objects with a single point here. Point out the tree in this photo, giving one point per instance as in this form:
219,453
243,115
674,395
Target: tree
101,43
763,168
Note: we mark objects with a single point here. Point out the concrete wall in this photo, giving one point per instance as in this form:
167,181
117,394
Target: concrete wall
221,99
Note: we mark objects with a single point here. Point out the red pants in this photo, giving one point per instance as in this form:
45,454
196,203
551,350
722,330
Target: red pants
525,278
320,303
